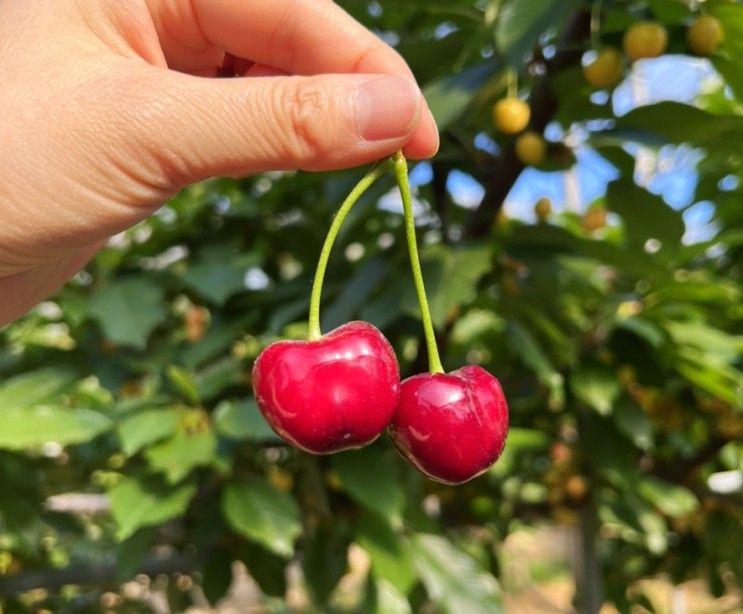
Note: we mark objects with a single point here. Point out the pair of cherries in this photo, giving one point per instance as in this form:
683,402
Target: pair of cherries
341,390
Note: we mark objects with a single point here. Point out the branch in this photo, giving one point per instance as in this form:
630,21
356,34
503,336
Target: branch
504,170
89,575
680,471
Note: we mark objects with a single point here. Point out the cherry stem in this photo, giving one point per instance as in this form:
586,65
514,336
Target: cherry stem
513,84
314,331
596,9
400,167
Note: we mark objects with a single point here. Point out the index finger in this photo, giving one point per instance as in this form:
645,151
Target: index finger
306,37
301,37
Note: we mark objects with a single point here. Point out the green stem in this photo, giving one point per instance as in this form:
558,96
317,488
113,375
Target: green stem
401,175
596,9
513,84
314,321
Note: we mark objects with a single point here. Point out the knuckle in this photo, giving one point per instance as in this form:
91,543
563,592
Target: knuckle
304,107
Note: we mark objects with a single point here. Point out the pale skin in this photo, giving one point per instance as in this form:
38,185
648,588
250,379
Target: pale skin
111,107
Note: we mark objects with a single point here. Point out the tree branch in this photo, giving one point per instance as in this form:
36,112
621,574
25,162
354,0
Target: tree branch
89,575
503,171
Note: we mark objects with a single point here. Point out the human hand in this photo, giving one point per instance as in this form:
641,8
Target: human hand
108,113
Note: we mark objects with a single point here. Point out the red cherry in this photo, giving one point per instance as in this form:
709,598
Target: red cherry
451,426
330,394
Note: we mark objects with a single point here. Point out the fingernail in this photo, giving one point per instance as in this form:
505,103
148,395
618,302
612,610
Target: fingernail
389,108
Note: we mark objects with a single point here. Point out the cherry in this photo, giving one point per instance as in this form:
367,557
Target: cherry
530,148
329,394
336,391
606,70
645,39
594,219
543,208
704,35
511,115
452,427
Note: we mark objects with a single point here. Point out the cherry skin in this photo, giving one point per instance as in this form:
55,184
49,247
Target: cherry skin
530,148
453,426
511,115
645,39
704,35
334,393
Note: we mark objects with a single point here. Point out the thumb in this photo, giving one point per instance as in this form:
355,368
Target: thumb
233,127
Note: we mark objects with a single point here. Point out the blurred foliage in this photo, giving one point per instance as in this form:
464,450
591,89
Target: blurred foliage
618,345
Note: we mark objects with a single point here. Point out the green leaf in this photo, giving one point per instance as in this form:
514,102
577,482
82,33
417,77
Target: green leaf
128,310
266,568
523,344
217,574
645,215
242,420
674,122
453,579
390,600
325,560
449,96
29,389
177,456
455,280
142,501
355,293
634,423
520,24
370,476
669,498
146,427
596,386
219,272
263,514
131,553
389,552
33,426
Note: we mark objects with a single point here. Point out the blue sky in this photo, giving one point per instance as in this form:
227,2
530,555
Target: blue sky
669,172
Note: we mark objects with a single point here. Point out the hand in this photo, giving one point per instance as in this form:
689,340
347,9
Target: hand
108,112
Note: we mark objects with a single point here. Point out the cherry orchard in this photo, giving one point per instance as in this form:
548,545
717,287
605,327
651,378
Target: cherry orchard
340,390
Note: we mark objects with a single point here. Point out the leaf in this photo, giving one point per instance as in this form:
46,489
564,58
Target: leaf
217,574
453,280
241,420
389,552
390,600
177,456
266,568
453,579
33,426
131,553
29,389
450,96
128,310
596,386
263,514
522,343
370,477
671,499
674,122
355,293
146,427
645,215
142,501
219,272
325,560
520,25
634,423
